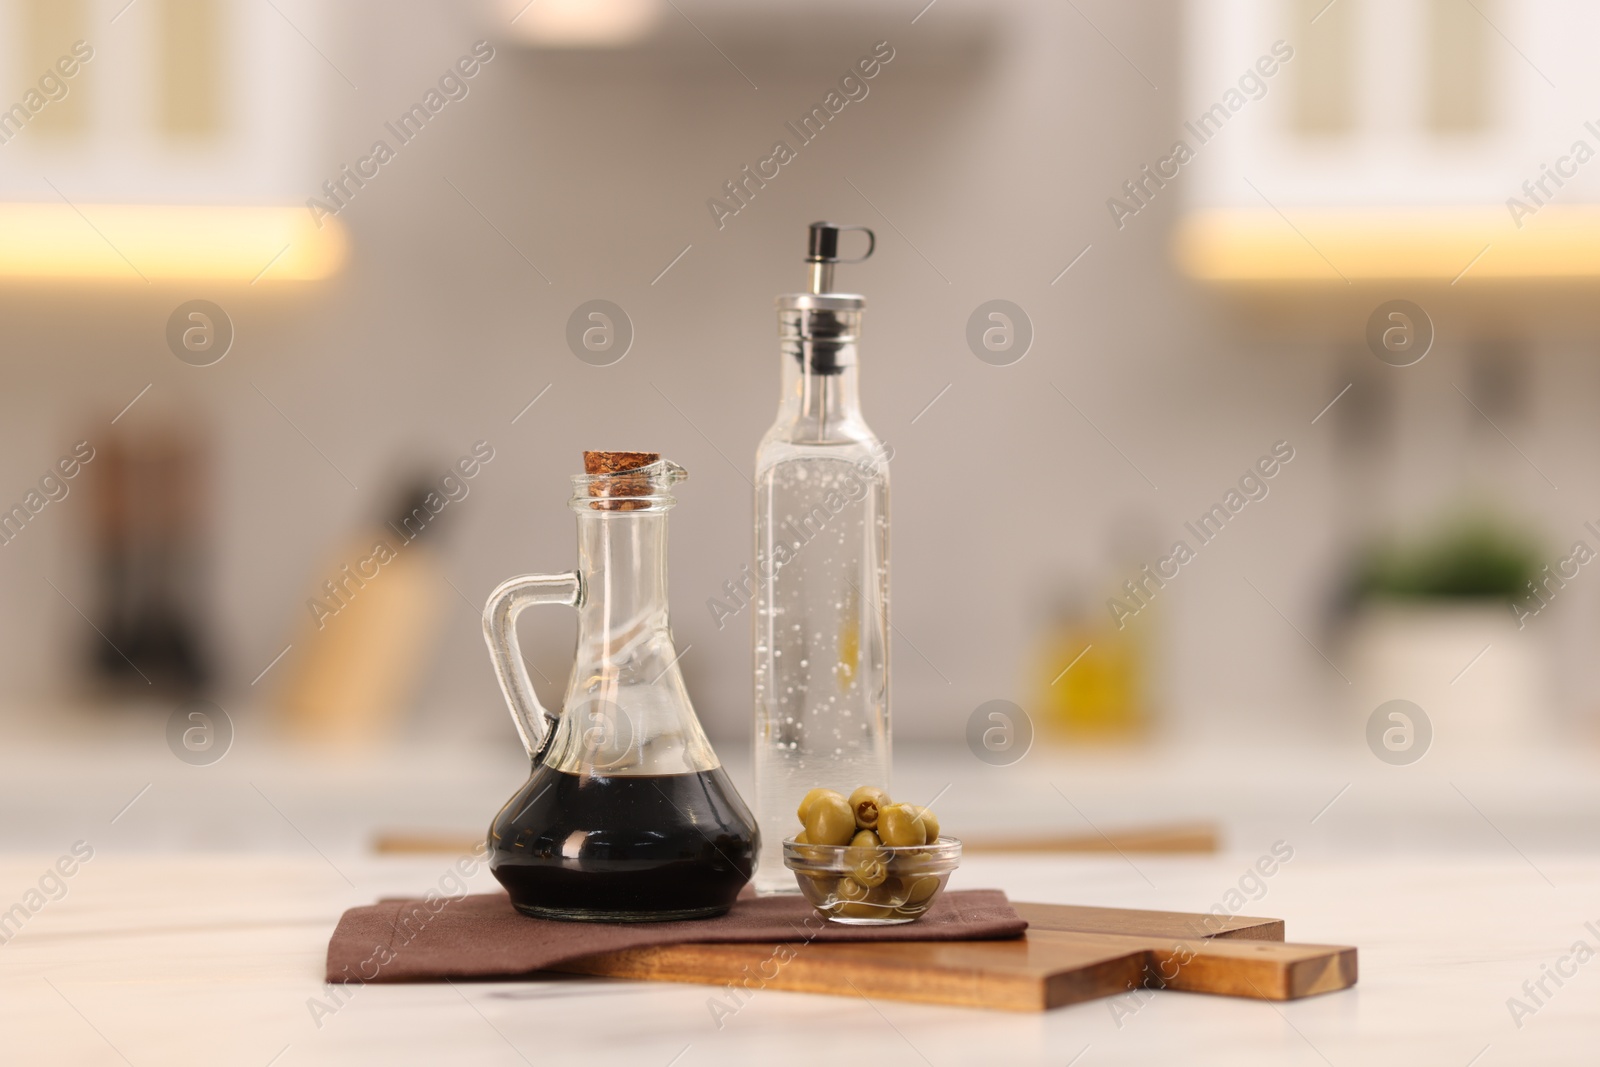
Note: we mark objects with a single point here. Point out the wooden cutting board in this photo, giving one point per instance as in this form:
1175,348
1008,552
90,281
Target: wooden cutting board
1069,954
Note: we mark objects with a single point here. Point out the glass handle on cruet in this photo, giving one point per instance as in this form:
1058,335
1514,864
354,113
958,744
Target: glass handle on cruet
533,722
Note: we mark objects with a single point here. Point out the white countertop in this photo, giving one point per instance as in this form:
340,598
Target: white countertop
212,960
196,934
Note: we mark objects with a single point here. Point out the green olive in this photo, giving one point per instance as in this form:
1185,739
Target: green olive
828,820
911,863
901,825
931,821
862,909
810,798
871,872
816,886
817,856
851,890
894,891
866,839
881,902
801,838
918,891
867,803
866,859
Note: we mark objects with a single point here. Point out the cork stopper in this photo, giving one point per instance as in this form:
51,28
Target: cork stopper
611,463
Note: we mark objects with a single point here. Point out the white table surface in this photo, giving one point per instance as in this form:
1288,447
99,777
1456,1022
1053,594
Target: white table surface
213,960
197,933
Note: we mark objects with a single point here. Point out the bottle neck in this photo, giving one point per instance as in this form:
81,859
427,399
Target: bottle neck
622,556
820,401
626,710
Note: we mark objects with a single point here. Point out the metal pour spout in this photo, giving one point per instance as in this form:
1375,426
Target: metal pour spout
823,253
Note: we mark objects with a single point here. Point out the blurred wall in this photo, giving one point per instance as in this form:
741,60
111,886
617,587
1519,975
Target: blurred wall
987,172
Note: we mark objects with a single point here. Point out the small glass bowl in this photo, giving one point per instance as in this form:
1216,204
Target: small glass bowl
872,886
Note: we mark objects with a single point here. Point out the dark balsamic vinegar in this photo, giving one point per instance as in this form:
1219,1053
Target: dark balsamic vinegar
624,848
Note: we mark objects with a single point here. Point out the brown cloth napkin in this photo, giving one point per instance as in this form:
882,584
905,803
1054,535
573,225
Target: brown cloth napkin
483,936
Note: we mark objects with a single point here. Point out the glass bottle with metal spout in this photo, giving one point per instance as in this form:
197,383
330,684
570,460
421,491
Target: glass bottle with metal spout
627,815
822,567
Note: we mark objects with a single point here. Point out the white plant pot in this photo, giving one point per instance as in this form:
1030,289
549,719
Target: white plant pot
1482,683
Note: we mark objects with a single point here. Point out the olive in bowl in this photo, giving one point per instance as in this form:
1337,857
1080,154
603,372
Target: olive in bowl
868,883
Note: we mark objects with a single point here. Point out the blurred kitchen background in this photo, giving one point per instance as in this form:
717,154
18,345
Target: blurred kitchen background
1194,313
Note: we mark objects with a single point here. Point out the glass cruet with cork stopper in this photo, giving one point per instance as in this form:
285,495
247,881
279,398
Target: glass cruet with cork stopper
627,815
822,566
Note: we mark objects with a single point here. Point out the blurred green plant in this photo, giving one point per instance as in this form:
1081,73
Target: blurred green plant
1477,556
